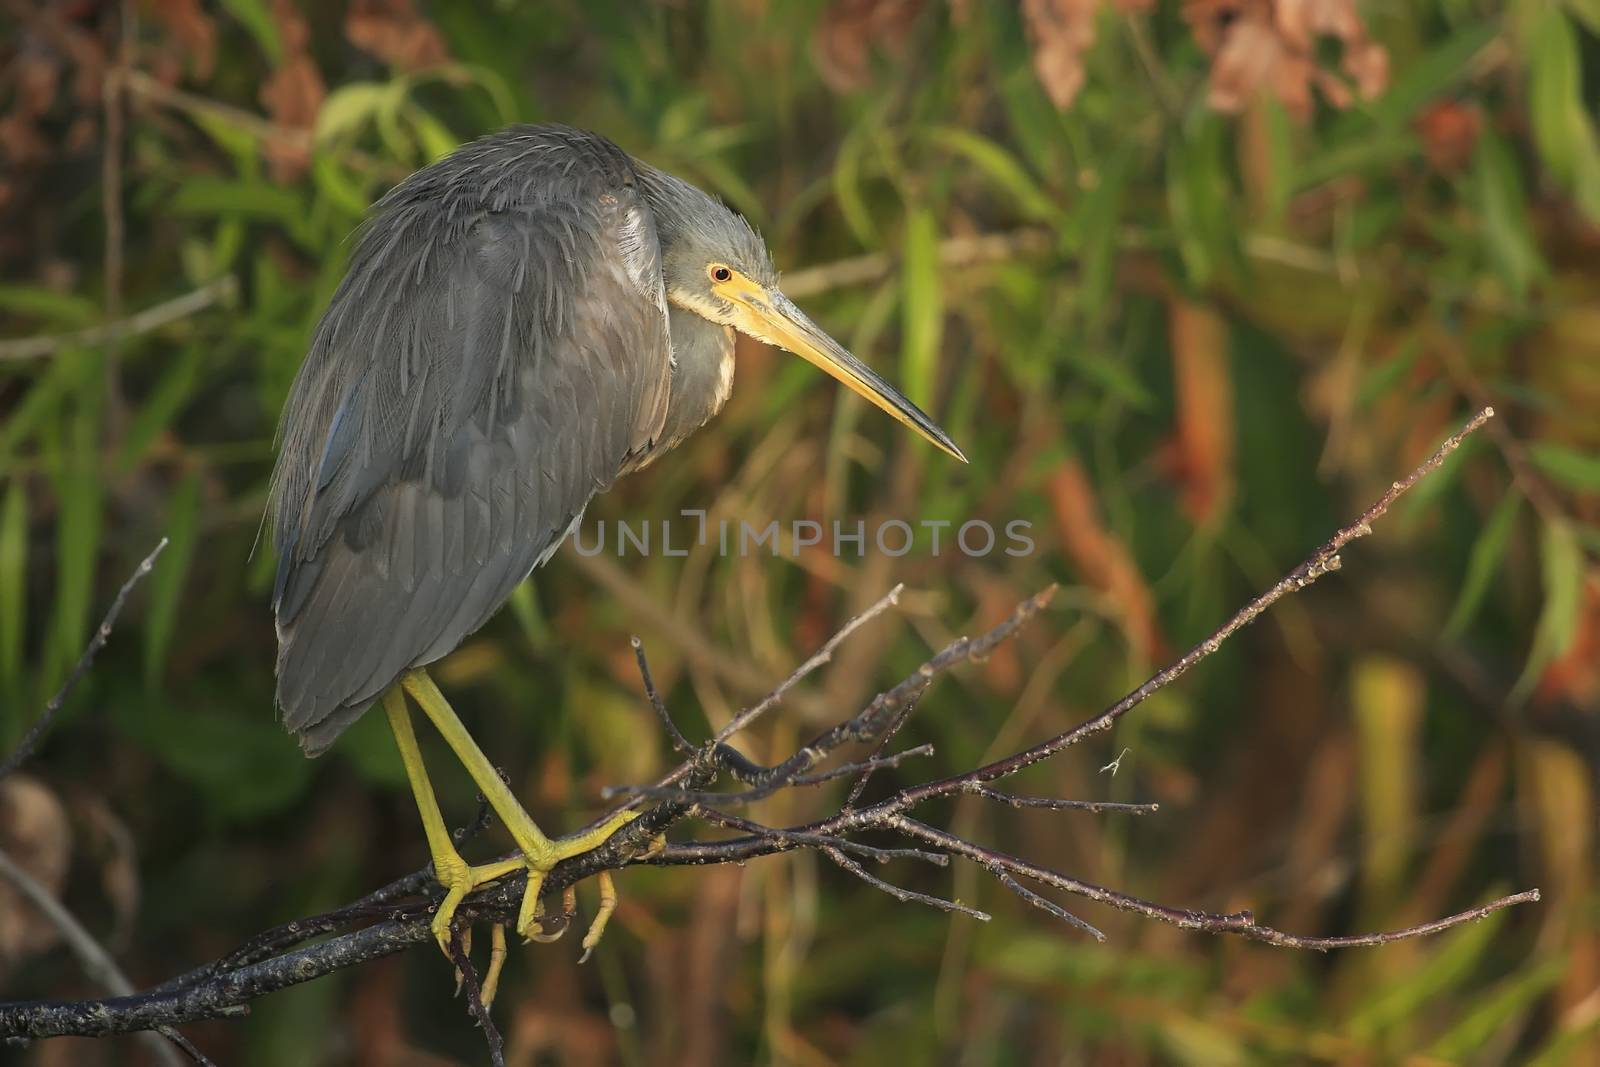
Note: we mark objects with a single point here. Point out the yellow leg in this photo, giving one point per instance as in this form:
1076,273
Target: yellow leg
453,872
541,853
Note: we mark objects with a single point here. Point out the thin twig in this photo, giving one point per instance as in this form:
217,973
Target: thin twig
900,893
868,725
1097,807
800,837
1047,905
1319,563
679,743
146,321
31,740
746,718
474,989
863,767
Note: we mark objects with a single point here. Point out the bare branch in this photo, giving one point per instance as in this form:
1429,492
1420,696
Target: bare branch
1097,807
1047,905
461,956
680,744
900,893
30,741
397,915
823,655
146,321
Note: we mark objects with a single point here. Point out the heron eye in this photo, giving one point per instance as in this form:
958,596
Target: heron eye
719,273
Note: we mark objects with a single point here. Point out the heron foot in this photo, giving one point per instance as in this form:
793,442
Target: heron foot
459,879
542,856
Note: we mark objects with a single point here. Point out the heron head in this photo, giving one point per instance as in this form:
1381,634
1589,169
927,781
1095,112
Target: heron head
717,267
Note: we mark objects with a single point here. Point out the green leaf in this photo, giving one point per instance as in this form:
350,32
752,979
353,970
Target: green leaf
60,310
1562,565
435,139
922,306
237,758
1503,215
1197,199
524,605
1555,85
78,529
1002,168
166,581
1562,130
1487,1013
258,20
1586,12
158,410
1577,470
848,193
210,196
1378,381
13,582
1483,563
349,110
42,401
1098,222
341,189
1394,1001
1420,80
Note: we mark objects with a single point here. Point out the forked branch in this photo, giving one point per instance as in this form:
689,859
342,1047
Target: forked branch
396,917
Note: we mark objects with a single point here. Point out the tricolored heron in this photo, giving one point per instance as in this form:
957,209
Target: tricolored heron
521,322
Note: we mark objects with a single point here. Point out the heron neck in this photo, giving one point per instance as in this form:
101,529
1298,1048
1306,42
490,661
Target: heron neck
703,376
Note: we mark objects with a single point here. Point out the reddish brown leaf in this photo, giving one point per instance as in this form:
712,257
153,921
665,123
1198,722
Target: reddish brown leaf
192,29
1102,560
851,30
294,92
1200,456
1449,132
1060,31
1269,47
1576,675
393,31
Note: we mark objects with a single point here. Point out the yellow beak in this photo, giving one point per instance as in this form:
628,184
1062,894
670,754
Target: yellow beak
769,316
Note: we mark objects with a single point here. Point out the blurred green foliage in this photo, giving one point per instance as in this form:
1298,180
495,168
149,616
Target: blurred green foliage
1208,330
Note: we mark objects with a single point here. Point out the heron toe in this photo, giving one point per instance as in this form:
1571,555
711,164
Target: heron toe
543,854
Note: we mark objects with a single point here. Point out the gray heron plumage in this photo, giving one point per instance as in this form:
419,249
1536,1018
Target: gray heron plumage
521,323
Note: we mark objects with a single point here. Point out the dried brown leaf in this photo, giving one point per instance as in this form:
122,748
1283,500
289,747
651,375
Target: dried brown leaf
293,93
192,29
1269,47
851,30
1060,31
1200,456
393,31
1103,561
35,833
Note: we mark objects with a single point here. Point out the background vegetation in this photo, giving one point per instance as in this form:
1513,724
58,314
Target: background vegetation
1260,256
